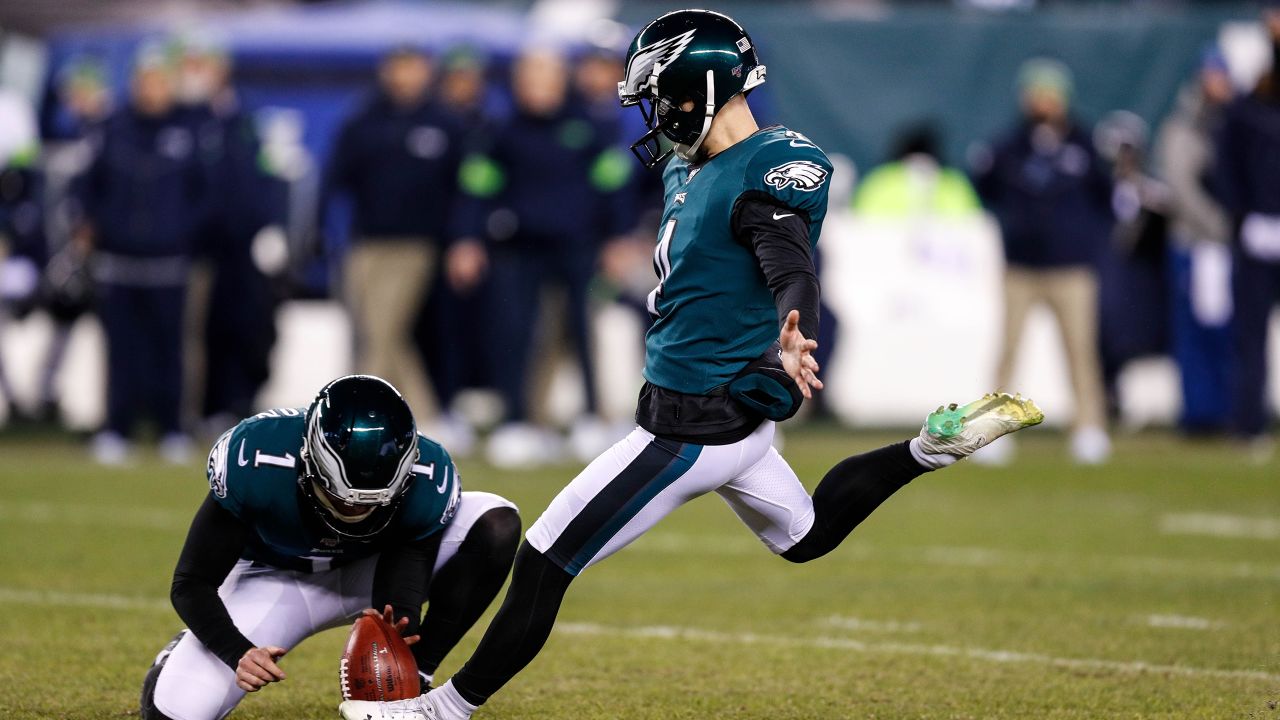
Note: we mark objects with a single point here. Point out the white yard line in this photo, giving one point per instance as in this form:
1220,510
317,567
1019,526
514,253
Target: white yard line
94,515
1119,667
845,622
1182,622
42,598
1221,525
663,542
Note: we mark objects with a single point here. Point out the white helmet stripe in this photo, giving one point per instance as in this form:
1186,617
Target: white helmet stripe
648,61
329,465
405,468
332,465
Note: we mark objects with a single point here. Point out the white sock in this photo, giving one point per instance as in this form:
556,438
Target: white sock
930,461
426,679
450,703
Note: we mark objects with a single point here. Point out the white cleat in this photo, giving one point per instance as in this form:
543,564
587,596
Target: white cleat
177,449
959,431
419,708
110,449
522,445
1090,446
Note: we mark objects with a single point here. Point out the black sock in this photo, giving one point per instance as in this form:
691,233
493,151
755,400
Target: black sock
467,584
520,628
849,492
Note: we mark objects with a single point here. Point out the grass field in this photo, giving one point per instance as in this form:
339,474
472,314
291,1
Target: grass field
1146,589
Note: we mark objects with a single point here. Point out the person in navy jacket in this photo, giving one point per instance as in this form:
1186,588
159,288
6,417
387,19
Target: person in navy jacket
397,159
242,244
144,198
1247,181
543,192
1051,196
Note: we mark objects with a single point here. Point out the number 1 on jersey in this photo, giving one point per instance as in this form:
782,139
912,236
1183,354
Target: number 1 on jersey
662,263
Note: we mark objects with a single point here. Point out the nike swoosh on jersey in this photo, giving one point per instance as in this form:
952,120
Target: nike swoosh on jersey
241,460
776,216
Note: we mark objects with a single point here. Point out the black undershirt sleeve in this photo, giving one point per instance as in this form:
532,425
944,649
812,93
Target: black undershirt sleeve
214,543
779,237
403,577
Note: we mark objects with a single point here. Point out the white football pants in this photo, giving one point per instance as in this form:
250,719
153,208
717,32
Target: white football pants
284,607
641,479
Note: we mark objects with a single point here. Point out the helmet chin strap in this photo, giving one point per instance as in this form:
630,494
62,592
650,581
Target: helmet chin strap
690,152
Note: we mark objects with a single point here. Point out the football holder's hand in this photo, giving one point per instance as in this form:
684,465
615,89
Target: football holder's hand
797,356
388,615
257,668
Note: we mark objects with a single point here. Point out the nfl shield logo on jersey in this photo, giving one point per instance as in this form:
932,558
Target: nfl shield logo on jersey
801,174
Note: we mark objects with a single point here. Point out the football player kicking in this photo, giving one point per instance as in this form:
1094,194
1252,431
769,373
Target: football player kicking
313,515
729,354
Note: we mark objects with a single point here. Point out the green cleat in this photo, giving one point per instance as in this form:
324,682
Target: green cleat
960,431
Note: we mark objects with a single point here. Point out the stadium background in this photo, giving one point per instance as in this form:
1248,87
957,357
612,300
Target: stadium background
309,66
1145,588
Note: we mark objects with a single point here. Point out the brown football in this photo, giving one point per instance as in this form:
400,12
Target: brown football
377,665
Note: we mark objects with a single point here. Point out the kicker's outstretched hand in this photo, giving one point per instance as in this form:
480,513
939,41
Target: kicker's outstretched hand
797,355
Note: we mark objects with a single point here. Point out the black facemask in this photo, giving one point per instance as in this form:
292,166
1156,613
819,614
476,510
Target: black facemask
652,147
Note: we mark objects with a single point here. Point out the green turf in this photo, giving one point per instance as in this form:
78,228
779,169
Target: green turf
973,593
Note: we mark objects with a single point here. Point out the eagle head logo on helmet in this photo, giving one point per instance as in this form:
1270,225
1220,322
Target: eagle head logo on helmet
641,69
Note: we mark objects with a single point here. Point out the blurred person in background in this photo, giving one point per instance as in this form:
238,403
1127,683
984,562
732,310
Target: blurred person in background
915,199
1133,276
144,197
397,158
596,74
464,85
22,246
1247,181
65,291
915,182
538,194
1051,197
451,317
626,260
242,243
83,99
1201,245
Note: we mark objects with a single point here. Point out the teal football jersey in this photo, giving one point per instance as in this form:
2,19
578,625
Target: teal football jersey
253,472
714,311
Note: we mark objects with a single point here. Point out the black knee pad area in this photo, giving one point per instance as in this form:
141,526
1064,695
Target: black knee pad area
494,535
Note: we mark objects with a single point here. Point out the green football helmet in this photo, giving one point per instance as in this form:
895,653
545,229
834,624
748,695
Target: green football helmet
358,454
687,56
